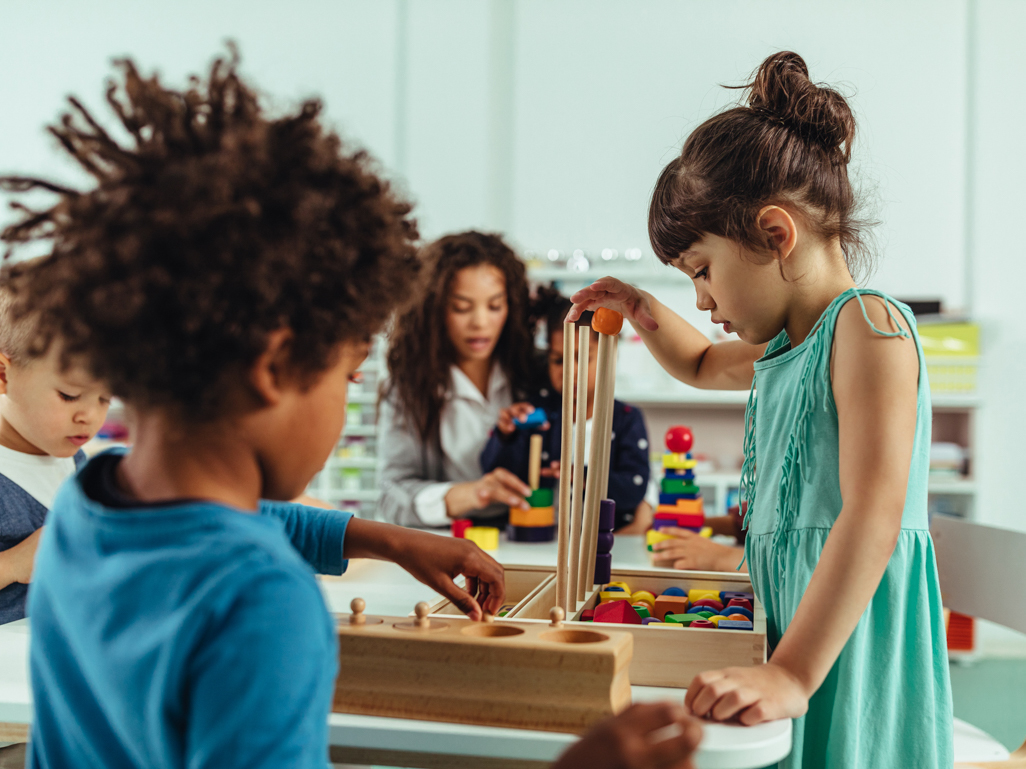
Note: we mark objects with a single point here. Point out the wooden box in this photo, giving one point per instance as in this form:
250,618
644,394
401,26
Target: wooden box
526,675
662,656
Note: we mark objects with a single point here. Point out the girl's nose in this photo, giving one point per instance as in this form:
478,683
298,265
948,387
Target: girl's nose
703,301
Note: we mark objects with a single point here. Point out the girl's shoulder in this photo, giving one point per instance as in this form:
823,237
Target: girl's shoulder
874,340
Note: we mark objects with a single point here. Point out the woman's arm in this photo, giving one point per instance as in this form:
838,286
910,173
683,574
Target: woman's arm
680,348
875,381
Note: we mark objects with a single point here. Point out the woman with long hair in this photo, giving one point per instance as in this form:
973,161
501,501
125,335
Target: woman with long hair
455,360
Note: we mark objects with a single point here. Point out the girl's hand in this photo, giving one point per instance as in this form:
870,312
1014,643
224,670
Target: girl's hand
626,741
499,486
694,552
752,695
627,300
509,417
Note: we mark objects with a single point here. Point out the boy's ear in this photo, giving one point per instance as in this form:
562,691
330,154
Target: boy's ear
779,229
269,374
5,365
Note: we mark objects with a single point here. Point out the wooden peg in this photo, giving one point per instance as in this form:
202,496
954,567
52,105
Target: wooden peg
357,605
421,611
534,462
487,617
576,590
595,492
565,463
556,616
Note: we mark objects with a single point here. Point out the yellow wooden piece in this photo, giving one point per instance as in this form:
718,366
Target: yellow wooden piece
534,461
697,594
673,461
535,516
665,624
613,595
652,536
485,537
643,596
624,585
706,532
523,675
715,619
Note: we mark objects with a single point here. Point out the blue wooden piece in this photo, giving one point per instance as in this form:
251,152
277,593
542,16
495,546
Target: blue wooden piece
728,610
674,591
535,419
735,624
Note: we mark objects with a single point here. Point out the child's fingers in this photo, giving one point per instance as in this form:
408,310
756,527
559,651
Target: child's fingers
699,683
676,751
733,702
675,531
711,693
461,598
756,714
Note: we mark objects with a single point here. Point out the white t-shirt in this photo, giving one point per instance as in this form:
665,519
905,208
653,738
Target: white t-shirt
466,423
39,475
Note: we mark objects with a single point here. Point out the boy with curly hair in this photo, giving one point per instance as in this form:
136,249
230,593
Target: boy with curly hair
224,278
46,415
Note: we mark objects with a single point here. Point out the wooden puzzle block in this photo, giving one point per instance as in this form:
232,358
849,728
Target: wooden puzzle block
643,595
682,520
727,595
531,533
622,585
702,623
678,486
523,675
613,595
643,609
670,604
460,526
649,620
540,498
673,590
679,439
728,624
711,603
617,611
485,537
536,418
702,612
652,536
687,475
673,461
604,542
681,503
697,594
603,567
536,516
588,615
736,612
665,624
742,602
658,524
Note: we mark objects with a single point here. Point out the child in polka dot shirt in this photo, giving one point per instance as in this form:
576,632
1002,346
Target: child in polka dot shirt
509,446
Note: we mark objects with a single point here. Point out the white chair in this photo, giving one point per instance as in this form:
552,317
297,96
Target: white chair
982,574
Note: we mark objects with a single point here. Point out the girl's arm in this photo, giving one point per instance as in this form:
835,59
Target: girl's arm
875,381
680,348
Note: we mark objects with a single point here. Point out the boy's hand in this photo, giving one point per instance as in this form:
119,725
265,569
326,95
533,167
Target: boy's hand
694,552
509,417
626,741
627,300
552,471
434,560
752,695
16,562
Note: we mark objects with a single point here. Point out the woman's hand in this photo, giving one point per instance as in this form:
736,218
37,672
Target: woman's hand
694,552
752,695
626,741
499,486
509,417
627,300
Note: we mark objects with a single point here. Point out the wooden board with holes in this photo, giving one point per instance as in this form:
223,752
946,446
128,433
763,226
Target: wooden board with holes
522,675
662,656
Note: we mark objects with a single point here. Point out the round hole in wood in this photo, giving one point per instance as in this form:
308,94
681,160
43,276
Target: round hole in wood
481,630
574,637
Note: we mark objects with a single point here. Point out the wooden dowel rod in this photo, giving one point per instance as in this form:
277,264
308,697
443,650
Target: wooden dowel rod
565,463
593,493
581,415
601,474
534,461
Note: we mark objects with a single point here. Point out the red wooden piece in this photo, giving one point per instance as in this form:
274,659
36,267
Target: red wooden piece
617,611
679,439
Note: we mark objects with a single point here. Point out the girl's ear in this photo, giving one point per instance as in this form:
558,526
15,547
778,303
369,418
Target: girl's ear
269,374
779,230
5,364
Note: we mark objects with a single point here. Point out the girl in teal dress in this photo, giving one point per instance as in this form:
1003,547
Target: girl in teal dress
759,212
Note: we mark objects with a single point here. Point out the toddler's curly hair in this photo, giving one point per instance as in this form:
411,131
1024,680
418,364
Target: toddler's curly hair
211,227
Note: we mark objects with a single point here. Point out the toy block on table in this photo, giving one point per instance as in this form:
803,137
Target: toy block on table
670,604
697,594
710,603
544,676
679,486
535,516
485,537
728,624
679,519
619,611
643,596
460,526
535,419
531,533
681,503
654,536
678,462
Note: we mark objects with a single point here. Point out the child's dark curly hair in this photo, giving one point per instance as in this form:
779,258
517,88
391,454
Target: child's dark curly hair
212,227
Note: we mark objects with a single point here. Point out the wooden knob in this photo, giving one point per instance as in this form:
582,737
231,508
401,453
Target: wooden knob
487,617
557,615
357,605
421,611
606,321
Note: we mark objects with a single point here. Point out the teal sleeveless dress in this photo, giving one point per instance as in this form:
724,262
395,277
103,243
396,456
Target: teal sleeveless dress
887,700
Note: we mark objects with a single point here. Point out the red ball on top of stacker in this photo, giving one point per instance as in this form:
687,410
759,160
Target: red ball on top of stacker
679,439
606,321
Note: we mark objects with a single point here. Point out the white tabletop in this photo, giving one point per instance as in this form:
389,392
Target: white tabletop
389,590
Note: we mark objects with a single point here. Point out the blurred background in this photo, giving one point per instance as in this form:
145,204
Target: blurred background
549,122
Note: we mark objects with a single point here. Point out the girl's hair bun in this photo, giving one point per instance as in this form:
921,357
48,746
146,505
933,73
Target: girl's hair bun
782,90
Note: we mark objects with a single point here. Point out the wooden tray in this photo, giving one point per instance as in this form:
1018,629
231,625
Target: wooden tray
662,656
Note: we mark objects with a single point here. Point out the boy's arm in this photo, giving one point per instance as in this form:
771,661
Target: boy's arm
16,562
628,480
680,348
318,534
259,683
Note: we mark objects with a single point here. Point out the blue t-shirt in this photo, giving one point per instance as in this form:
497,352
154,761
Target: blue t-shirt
189,634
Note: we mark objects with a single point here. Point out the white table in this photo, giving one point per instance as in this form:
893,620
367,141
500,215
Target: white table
402,742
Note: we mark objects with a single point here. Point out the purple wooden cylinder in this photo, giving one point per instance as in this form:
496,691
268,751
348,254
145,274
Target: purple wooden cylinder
605,542
607,515
603,568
